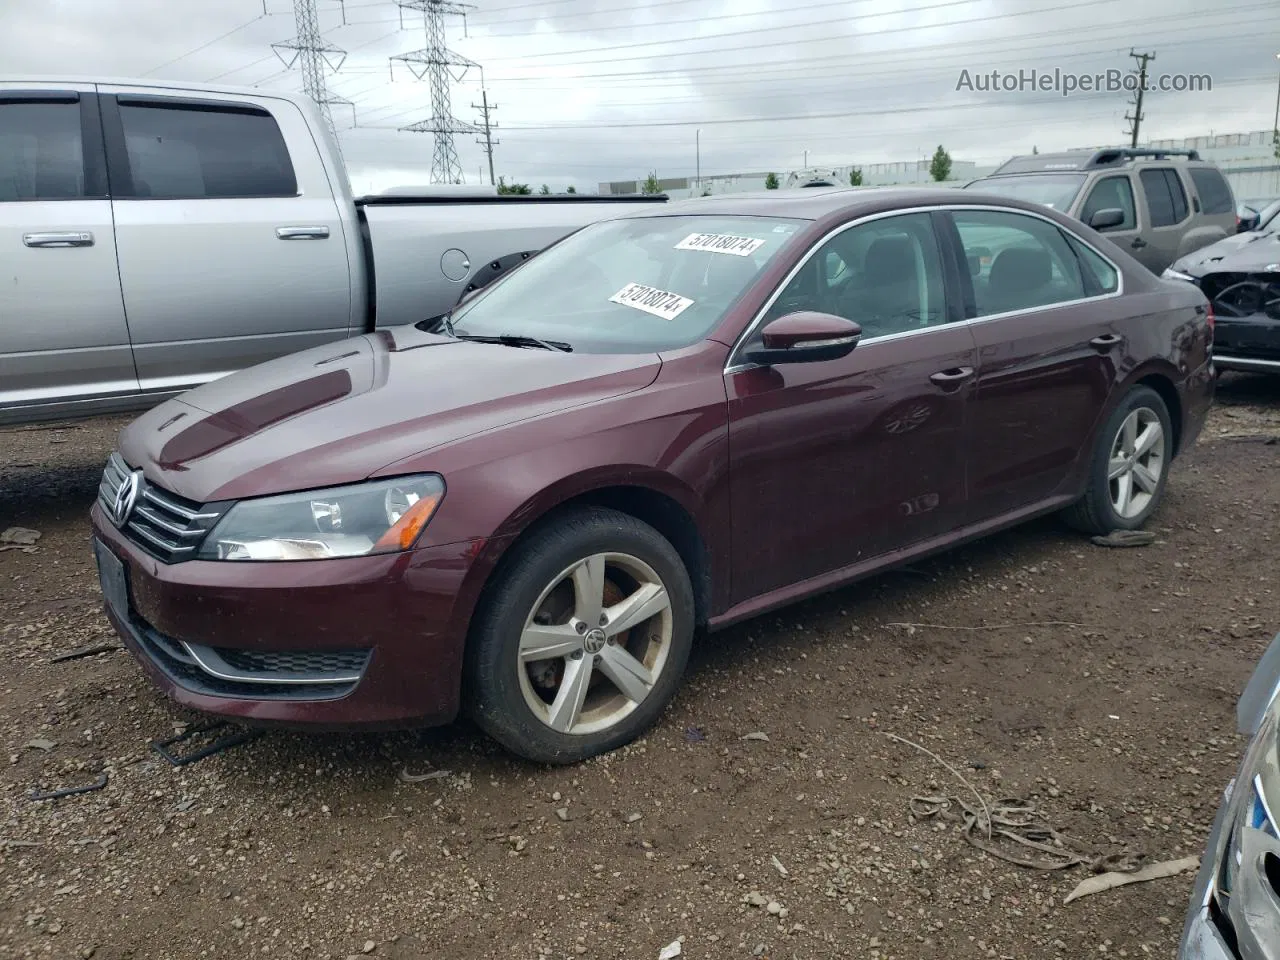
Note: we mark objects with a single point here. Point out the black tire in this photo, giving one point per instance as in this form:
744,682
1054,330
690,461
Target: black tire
1094,513
493,695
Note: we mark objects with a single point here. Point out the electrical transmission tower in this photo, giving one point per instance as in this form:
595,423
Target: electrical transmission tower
314,54
1136,120
487,141
434,62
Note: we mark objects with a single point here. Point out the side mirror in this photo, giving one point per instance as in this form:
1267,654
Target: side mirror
805,337
1106,218
1246,220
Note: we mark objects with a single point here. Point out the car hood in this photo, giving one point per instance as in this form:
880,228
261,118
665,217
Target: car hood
1238,253
337,413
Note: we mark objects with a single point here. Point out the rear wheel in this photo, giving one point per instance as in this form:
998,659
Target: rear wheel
1130,466
583,639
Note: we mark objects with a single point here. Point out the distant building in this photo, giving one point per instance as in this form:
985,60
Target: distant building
1247,159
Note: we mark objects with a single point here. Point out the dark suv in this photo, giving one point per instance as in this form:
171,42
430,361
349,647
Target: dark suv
1159,205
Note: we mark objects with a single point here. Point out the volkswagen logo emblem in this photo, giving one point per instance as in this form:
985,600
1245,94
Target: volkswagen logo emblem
126,497
594,640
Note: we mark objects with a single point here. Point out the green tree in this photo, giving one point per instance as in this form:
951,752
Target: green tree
1034,151
771,182
521,189
940,165
545,190
572,189
855,177
651,184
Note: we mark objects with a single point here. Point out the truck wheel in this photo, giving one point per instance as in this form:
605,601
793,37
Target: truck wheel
1130,466
582,641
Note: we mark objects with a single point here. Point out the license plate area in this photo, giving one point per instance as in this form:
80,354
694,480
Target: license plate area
113,580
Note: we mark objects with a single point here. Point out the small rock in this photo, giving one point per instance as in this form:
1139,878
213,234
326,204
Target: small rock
774,907
556,796
40,743
755,898
238,923
369,947
757,735
563,814
633,817
670,951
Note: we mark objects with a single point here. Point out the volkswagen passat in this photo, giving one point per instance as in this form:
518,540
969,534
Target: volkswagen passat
668,421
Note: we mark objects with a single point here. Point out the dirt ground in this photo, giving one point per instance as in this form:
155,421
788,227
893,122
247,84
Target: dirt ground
1099,684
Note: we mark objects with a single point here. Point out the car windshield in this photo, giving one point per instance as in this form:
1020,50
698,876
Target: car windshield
1268,221
634,285
1056,191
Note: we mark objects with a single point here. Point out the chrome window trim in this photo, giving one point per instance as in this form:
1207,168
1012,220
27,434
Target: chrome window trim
734,365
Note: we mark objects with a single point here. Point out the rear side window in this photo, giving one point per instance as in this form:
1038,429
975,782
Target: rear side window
1166,200
41,151
1105,277
1215,194
179,152
1030,264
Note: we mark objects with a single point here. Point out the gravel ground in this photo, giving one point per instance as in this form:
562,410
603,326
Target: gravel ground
1098,684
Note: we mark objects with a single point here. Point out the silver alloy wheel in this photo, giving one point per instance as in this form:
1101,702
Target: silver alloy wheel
1137,463
595,643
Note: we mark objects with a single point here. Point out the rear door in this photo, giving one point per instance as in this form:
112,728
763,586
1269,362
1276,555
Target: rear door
63,336
1048,329
1168,210
229,238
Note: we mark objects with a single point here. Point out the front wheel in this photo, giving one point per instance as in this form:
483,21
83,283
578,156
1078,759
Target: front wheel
1130,466
583,639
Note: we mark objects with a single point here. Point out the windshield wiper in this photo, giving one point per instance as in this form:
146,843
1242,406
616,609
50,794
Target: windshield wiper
517,340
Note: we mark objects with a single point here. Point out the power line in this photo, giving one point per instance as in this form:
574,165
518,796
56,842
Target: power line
1136,120
207,44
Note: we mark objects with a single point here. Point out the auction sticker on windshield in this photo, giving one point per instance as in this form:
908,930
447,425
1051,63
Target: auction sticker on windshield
660,303
721,243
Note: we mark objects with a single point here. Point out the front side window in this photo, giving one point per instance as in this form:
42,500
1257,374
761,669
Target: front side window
1112,193
41,152
885,275
179,152
1017,262
633,285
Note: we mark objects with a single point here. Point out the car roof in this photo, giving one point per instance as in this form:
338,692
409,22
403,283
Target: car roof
811,203
1086,161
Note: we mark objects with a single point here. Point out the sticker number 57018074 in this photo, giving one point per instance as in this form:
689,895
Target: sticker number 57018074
659,303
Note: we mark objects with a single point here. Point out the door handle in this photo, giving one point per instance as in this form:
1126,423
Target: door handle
71,239
1106,341
952,377
302,233
1138,243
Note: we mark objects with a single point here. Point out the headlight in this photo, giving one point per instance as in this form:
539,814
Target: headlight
1172,274
382,516
1254,795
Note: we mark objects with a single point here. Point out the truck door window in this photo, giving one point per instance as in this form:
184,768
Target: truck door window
1111,193
41,151
1166,200
179,152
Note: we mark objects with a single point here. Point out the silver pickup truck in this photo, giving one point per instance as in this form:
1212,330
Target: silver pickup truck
155,237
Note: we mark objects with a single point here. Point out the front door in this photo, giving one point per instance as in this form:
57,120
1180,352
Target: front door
63,336
1048,326
231,247
834,463
1116,192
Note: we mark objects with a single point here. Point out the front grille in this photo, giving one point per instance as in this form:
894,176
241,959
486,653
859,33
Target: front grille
1243,294
298,662
166,526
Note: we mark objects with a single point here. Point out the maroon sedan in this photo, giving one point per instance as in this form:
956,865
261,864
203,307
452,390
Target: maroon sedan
666,422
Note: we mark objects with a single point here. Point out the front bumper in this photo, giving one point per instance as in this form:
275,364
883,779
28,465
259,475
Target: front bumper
357,643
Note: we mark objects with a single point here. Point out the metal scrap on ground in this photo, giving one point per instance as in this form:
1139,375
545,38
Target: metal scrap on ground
1109,881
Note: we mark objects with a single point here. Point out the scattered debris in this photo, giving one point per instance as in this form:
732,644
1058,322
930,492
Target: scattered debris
694,734
757,735
670,951
563,814
70,791
756,899
633,817
912,627
40,743
1125,538
19,538
369,947
777,865
86,652
225,743
407,777
1109,881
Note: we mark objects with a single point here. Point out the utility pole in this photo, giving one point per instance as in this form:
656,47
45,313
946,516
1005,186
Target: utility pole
488,142
697,149
434,61
310,50
1136,120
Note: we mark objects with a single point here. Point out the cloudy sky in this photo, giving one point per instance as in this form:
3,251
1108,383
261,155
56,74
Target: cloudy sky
592,90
